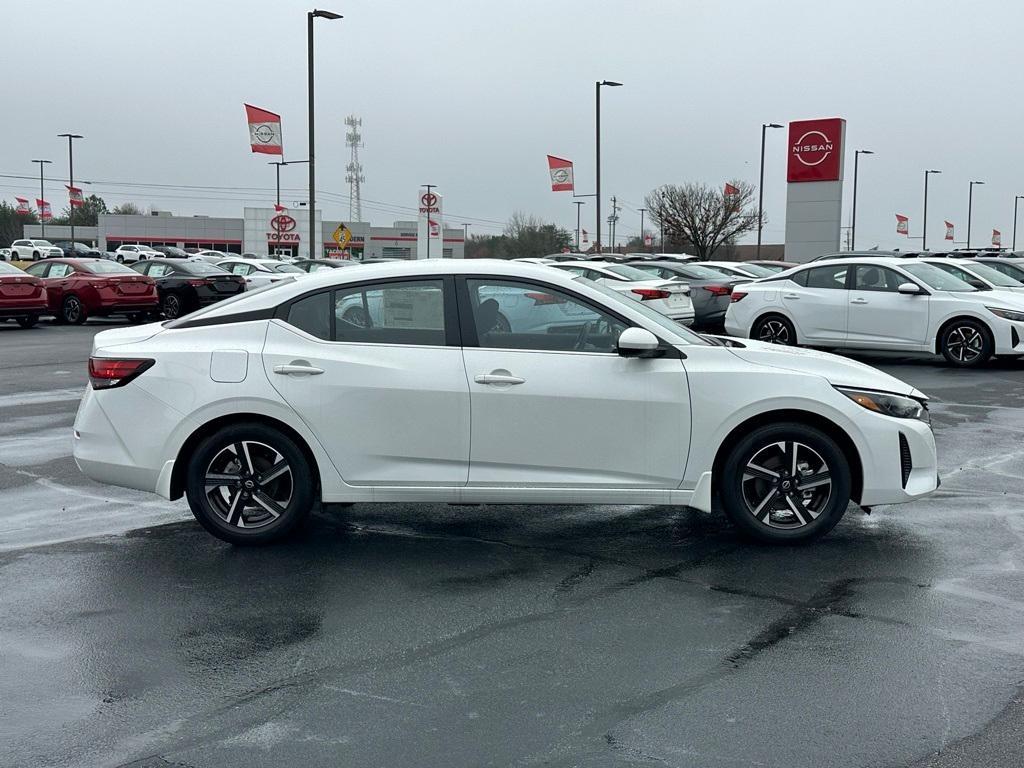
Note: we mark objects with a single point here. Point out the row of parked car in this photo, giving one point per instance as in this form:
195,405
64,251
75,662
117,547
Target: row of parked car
128,253
73,289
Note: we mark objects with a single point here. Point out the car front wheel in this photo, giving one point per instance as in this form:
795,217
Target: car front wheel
785,483
966,343
774,329
171,306
249,484
73,311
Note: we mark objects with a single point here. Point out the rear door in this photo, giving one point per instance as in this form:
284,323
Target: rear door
882,317
817,300
383,388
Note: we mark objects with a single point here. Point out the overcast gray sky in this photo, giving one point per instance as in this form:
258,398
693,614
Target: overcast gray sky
471,95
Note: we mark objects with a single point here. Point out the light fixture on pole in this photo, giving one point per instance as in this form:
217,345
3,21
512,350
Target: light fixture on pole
310,15
760,187
853,217
42,221
71,175
924,218
597,147
279,163
970,206
1015,200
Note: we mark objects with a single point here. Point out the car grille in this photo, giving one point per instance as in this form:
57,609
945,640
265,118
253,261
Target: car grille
906,462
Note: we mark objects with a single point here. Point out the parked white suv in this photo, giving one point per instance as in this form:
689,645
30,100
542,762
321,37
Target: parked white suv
128,254
880,303
34,250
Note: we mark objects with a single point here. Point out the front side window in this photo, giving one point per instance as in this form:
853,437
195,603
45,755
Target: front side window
240,269
828,277
513,315
157,270
60,270
867,277
403,312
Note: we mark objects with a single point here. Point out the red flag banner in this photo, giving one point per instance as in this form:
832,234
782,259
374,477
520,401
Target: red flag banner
561,174
648,240
44,210
997,238
730,190
902,225
75,196
264,131
22,205
586,237
279,208
949,230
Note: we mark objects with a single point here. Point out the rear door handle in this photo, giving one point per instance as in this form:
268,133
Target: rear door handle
497,378
790,296
859,301
297,370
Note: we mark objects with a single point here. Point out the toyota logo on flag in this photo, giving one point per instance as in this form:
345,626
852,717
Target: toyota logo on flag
282,223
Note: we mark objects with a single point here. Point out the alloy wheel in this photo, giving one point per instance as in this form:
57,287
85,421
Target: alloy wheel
72,309
774,332
786,485
172,307
249,484
965,343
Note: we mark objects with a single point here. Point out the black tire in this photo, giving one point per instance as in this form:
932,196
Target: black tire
171,306
221,508
775,509
119,258
501,324
72,310
35,256
966,343
775,329
28,322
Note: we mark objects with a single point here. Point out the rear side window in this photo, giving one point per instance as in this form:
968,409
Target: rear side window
312,315
828,277
406,312
800,278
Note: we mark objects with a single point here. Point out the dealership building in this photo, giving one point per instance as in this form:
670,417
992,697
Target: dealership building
263,231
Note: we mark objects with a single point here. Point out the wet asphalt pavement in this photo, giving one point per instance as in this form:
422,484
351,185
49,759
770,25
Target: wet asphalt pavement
436,635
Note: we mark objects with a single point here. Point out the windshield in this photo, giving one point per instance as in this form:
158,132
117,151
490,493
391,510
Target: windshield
700,272
628,272
935,278
107,268
773,268
757,270
994,276
653,315
284,268
42,242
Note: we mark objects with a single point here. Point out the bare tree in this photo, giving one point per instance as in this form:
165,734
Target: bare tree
127,209
703,215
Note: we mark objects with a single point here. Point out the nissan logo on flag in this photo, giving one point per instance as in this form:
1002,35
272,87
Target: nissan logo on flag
282,223
560,170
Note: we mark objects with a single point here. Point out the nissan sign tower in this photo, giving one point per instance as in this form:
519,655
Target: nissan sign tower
814,194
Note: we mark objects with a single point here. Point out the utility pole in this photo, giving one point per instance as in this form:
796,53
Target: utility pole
614,219
578,203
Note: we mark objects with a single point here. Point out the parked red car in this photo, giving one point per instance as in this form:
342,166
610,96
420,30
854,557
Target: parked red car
22,296
81,288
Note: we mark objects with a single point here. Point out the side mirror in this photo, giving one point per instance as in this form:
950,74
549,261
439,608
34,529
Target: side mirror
909,289
638,342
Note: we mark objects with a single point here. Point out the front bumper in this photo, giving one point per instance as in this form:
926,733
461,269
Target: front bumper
884,479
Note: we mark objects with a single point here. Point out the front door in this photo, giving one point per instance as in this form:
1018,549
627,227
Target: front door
375,373
554,405
881,316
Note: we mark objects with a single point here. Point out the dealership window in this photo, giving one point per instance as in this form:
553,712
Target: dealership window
513,315
406,312
391,252
446,252
833,276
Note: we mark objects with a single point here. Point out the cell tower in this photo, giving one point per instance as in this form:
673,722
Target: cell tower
354,177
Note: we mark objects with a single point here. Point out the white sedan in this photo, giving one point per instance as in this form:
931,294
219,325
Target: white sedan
978,274
261,405
260,272
880,303
739,269
670,297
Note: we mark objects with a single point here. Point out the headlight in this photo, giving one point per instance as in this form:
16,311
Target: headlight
889,404
1007,314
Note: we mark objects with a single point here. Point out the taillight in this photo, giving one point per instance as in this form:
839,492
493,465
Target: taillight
198,283
107,373
544,298
647,294
738,296
100,283
718,290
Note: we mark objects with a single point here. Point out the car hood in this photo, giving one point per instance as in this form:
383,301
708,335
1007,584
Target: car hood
838,371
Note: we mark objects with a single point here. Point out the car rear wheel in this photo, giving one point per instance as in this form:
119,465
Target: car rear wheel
249,484
785,483
35,256
774,329
966,343
73,311
171,306
28,322
120,258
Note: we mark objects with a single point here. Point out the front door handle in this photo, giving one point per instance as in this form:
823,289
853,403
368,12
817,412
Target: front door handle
859,301
790,296
497,377
298,370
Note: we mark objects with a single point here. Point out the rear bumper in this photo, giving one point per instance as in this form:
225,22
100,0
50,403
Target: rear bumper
25,311
123,307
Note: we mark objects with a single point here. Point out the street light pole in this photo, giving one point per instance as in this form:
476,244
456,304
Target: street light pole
1016,200
314,14
597,148
465,237
853,218
924,218
970,206
577,203
42,221
642,245
71,176
760,187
